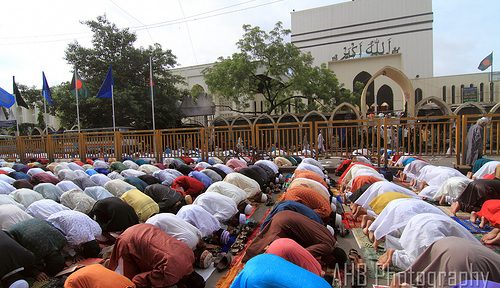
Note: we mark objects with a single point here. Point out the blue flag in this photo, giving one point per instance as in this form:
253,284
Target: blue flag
46,90
106,90
6,99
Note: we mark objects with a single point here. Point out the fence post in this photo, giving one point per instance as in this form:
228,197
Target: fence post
464,138
158,149
49,145
81,146
20,148
385,142
458,133
118,145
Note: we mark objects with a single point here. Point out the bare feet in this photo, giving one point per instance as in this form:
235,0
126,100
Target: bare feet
360,211
492,237
469,174
473,216
365,219
375,243
483,223
385,260
41,277
371,236
455,207
442,200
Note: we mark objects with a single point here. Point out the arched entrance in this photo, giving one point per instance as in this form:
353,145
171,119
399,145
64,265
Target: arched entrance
363,77
400,78
432,106
469,108
385,98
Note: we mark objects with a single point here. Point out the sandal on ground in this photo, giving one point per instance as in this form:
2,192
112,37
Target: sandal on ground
224,262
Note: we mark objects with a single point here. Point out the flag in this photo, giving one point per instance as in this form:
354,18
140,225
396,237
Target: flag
19,99
46,90
80,86
487,61
6,99
106,90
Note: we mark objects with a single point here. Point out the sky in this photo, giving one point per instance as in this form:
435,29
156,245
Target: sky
35,34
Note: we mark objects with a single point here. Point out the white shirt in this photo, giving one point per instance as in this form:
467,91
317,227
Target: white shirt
245,183
42,209
10,214
200,218
67,185
177,227
26,196
77,227
229,190
97,192
379,188
100,179
6,188
220,206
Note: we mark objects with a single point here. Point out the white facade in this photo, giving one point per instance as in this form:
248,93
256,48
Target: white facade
356,39
367,28
23,115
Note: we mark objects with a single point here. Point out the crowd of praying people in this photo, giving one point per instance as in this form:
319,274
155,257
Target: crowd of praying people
156,224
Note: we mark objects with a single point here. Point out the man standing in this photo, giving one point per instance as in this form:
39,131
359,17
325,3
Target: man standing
474,144
321,143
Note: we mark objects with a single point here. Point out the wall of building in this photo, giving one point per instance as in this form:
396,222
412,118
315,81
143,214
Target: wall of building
331,32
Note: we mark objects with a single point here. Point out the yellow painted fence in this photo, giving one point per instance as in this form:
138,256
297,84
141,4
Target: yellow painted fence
421,136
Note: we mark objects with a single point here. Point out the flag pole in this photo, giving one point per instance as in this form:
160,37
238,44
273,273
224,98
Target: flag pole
492,95
77,104
113,107
15,115
151,86
152,100
45,114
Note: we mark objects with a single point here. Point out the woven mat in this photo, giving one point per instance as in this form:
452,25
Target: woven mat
447,211
495,248
472,227
371,256
237,265
349,221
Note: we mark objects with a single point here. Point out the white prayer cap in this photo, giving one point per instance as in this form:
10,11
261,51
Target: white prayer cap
20,284
248,209
330,229
243,218
338,220
263,198
483,121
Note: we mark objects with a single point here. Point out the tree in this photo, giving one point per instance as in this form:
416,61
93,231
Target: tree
111,45
277,70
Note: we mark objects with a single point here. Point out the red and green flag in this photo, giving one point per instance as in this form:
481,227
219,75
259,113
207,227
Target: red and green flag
80,86
487,61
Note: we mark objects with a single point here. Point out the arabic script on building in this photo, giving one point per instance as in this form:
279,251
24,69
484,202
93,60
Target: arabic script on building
372,48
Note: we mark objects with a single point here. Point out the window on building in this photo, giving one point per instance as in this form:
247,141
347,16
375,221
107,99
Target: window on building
418,95
453,94
289,107
462,93
261,106
444,94
481,92
255,106
471,85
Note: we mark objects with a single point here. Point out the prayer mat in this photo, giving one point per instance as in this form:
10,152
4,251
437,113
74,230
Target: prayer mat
472,227
460,214
237,265
495,248
349,221
370,256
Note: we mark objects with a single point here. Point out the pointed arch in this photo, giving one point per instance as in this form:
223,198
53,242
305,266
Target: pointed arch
219,118
364,77
242,117
470,104
495,108
348,105
288,115
400,78
261,116
442,105
314,112
38,130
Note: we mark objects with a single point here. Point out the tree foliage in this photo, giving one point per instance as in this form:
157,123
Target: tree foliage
277,70
111,45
